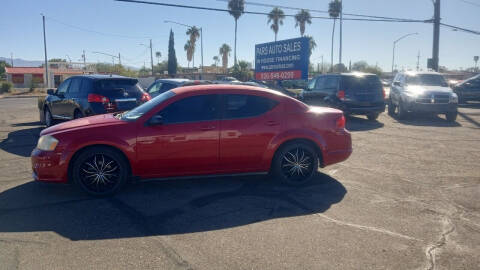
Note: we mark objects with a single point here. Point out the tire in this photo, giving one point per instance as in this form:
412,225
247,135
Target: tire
295,164
48,117
77,114
100,171
451,116
401,113
373,116
391,107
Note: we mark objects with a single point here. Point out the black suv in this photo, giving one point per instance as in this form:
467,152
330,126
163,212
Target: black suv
468,90
86,95
428,92
353,93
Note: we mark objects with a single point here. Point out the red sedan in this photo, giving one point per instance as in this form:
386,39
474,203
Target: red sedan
194,131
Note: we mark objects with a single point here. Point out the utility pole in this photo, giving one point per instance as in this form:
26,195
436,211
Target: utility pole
436,35
322,63
119,59
45,47
418,61
84,61
11,59
341,33
151,55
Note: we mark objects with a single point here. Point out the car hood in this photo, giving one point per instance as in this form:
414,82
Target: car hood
426,88
87,122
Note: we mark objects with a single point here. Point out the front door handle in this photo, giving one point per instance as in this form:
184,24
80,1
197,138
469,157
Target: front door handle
206,128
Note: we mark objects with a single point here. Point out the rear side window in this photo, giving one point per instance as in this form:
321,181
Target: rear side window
191,109
243,106
367,82
87,86
129,85
167,86
75,86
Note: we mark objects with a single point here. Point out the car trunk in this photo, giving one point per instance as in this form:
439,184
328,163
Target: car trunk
362,90
125,94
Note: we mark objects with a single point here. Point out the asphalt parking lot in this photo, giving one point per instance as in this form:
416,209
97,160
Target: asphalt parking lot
408,198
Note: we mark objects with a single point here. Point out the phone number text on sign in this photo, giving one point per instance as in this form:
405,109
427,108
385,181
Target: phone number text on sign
279,75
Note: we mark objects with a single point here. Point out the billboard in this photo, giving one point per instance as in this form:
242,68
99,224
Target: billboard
282,60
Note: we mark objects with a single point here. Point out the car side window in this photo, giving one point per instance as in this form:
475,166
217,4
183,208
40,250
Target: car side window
75,85
87,86
191,109
167,86
311,84
243,106
319,83
331,84
62,89
154,88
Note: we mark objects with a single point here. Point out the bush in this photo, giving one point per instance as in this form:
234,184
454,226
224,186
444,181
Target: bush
5,87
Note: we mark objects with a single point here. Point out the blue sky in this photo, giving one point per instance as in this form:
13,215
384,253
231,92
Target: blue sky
21,30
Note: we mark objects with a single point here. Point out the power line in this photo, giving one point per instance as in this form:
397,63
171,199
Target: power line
471,3
461,29
264,13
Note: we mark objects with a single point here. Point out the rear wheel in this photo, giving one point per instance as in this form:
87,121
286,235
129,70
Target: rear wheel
295,164
100,171
451,116
372,116
78,114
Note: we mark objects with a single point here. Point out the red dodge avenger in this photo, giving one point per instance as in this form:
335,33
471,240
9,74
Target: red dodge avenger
194,131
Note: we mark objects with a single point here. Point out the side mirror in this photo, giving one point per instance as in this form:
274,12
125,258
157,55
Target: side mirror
51,91
155,120
397,83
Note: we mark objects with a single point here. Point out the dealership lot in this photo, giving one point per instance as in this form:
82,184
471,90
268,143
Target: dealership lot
407,198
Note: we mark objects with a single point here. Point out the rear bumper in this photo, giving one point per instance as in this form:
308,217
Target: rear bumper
49,166
364,110
340,150
431,108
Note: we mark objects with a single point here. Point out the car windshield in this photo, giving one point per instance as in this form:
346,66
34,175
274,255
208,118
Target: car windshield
129,85
146,107
426,79
361,82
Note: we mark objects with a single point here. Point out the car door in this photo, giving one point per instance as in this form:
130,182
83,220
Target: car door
186,143
248,125
315,97
56,102
69,103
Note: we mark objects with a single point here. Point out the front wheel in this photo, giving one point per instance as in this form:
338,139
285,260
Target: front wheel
373,116
391,107
100,171
451,116
295,164
48,117
401,111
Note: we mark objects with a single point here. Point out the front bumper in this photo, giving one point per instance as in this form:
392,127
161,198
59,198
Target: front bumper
49,166
431,108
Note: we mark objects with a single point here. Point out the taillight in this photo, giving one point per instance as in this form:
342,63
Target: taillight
145,97
97,98
341,95
341,122
383,92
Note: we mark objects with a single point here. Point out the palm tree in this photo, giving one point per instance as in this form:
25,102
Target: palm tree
216,59
276,17
189,49
158,55
236,8
194,33
334,8
312,44
301,18
225,52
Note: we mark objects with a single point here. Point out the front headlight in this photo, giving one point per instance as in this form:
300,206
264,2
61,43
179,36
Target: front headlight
453,98
47,143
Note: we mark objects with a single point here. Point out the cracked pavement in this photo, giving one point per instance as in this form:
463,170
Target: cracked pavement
408,198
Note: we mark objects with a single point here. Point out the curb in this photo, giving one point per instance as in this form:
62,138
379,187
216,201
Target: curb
21,97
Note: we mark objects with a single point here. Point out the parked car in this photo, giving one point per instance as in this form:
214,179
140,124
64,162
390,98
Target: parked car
163,85
87,95
191,131
468,90
413,92
353,93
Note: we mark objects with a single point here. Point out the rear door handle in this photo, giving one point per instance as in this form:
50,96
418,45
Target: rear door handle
271,123
206,128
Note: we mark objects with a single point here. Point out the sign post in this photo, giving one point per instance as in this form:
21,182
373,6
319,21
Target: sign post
282,60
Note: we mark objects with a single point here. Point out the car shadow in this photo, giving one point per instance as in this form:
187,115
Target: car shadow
425,119
162,207
470,105
21,142
29,124
355,123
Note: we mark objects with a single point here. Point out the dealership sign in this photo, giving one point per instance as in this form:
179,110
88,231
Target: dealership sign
282,60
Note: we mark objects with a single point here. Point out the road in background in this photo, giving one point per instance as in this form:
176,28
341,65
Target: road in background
406,199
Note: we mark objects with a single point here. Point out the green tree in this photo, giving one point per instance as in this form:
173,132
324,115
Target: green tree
3,65
158,55
236,9
225,53
301,19
311,44
216,59
172,57
275,17
242,71
189,49
194,34
334,9
57,60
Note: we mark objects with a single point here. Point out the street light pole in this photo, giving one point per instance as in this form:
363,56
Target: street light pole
341,32
45,47
151,55
395,44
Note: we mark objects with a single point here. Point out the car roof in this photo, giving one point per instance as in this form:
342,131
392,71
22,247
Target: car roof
355,73
176,81
414,73
102,76
225,87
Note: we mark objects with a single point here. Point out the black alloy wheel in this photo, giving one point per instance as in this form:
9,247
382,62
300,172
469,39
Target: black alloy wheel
295,164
